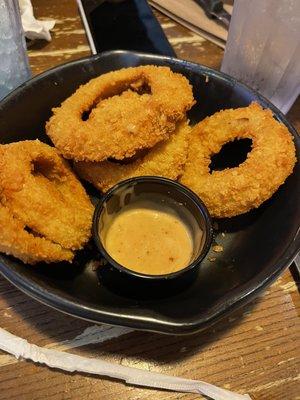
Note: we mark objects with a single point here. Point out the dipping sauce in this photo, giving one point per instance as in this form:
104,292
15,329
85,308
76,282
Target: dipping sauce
149,241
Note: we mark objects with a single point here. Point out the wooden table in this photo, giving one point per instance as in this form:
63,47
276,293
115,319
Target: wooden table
256,350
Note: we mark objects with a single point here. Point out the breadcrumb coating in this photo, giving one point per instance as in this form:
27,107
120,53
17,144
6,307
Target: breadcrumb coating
234,191
166,159
45,212
119,113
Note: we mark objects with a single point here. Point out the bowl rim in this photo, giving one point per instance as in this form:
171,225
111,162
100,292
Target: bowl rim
154,323
165,182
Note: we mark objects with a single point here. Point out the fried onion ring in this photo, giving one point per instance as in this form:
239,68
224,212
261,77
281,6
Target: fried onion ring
17,241
165,159
234,191
43,201
120,113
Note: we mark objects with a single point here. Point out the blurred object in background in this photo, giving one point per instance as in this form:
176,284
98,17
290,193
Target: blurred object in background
34,28
263,48
214,9
189,14
14,67
123,25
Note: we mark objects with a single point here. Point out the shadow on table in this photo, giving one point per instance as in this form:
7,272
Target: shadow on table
55,327
161,349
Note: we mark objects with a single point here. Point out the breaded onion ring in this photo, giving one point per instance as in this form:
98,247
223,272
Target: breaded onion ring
235,191
44,201
120,113
17,241
165,159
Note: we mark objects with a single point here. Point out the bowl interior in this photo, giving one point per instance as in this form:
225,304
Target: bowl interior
256,246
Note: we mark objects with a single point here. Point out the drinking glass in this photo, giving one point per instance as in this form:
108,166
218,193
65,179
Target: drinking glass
263,48
14,66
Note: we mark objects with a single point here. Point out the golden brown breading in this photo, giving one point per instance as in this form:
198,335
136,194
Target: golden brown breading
165,159
120,113
39,191
16,241
235,191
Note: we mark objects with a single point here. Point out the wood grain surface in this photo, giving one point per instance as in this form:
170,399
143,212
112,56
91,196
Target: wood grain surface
256,350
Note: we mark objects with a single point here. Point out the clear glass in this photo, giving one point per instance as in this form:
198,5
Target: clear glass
263,48
14,66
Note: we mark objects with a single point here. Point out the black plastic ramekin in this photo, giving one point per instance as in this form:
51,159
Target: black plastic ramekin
171,194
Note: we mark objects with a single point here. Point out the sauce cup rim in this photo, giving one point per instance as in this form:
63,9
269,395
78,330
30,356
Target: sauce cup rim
164,181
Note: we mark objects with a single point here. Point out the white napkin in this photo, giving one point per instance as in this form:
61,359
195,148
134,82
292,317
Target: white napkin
191,15
33,28
69,362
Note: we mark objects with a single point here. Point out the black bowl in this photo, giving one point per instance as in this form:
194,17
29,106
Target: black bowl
258,246
171,194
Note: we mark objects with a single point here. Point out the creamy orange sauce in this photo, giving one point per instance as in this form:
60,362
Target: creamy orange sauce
149,241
